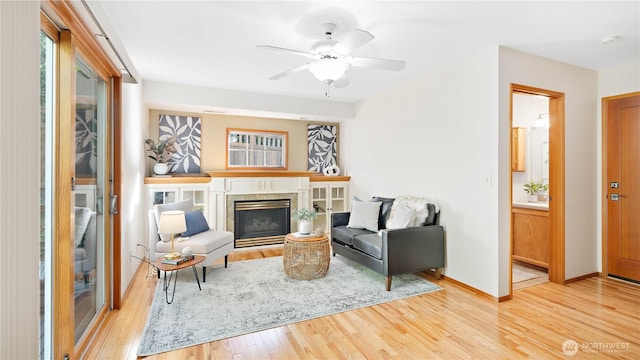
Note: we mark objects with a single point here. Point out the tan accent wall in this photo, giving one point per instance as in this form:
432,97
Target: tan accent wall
214,132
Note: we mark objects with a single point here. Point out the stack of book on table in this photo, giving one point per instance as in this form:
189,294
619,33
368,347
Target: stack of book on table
178,261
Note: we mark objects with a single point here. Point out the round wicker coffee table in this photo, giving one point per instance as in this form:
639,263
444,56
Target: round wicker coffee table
306,258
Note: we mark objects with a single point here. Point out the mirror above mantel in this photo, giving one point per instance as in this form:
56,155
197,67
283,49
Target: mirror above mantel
256,149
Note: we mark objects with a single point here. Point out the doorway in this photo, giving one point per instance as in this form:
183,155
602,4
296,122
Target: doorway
537,190
530,185
621,188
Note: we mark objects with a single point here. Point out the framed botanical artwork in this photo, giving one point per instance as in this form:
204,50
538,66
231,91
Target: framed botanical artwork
188,133
323,147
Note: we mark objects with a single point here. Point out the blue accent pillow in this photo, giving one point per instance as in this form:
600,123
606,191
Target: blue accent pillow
196,223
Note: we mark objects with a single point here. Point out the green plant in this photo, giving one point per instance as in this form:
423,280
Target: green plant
162,150
304,214
533,187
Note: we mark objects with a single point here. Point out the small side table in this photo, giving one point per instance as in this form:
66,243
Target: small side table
306,258
173,270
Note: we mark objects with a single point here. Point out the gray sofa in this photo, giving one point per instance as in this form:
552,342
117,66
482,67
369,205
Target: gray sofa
391,252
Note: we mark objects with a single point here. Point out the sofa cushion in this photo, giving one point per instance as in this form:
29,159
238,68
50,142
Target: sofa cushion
364,215
401,217
196,223
185,205
385,210
202,243
346,235
370,244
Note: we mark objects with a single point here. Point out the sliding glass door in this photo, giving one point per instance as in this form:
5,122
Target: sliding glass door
90,208
80,105
47,112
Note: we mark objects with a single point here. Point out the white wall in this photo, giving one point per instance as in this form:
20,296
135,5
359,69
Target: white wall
442,134
580,88
19,179
135,120
623,78
437,137
188,98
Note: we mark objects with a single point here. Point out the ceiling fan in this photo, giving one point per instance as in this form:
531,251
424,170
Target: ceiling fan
330,59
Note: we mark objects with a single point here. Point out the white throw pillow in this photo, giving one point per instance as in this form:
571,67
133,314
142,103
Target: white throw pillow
364,215
419,205
401,216
83,215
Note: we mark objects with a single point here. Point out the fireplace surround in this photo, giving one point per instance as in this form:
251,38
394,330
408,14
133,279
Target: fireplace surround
244,236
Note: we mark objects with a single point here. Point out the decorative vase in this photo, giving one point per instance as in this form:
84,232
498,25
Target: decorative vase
304,227
160,168
532,198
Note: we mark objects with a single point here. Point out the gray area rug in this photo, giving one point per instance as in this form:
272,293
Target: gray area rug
255,295
521,275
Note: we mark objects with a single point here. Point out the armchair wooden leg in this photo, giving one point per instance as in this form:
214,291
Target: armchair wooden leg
388,281
226,258
204,274
438,273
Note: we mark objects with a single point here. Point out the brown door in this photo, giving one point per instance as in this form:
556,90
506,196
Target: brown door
623,186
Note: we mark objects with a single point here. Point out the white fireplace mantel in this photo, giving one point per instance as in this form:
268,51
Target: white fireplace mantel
221,188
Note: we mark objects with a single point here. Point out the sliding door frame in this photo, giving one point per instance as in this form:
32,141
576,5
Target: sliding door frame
76,40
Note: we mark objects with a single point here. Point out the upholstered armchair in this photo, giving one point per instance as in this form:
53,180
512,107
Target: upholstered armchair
85,242
213,244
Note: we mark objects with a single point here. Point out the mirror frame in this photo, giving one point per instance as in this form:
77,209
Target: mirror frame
251,133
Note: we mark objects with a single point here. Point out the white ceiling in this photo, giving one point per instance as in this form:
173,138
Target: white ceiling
213,43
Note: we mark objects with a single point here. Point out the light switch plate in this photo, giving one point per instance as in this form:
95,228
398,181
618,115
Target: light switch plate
486,180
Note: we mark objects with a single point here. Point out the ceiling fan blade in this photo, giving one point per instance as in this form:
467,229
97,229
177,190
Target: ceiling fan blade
354,40
291,51
289,72
341,82
384,64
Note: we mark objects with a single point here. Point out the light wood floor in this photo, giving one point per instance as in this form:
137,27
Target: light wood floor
453,323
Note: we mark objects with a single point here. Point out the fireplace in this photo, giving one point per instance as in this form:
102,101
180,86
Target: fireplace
261,222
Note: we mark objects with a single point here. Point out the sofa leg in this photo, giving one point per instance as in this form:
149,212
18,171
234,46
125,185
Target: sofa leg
388,283
204,274
438,273
226,258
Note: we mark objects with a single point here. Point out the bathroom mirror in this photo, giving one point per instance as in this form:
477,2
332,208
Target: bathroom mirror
539,154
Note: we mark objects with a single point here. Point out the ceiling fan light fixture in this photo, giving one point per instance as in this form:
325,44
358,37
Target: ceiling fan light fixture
328,69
